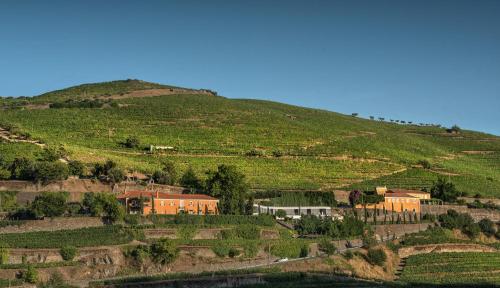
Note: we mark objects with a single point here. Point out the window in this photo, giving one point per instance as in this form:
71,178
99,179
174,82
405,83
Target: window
171,203
162,203
190,203
296,211
308,211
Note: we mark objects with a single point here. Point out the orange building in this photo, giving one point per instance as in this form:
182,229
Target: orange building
148,202
399,200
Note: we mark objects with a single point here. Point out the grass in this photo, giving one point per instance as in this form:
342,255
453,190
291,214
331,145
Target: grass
320,149
452,268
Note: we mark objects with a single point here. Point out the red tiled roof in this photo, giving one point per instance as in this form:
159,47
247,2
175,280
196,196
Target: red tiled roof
406,191
401,195
163,195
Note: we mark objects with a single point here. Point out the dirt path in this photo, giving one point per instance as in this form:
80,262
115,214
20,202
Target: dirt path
13,138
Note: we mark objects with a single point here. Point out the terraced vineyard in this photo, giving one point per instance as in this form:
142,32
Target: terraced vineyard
453,268
278,146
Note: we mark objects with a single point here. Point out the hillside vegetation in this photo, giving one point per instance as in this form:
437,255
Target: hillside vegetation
277,146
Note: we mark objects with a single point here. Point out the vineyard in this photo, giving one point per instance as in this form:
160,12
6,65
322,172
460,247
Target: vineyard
84,237
453,268
277,146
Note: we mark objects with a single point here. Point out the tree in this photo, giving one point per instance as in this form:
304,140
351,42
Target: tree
52,154
132,142
487,227
354,114
372,117
326,246
190,180
45,172
249,205
76,168
21,169
168,174
103,205
109,171
49,204
425,163
444,190
230,187
164,251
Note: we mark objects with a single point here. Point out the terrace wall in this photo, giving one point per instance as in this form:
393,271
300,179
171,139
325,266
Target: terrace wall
48,224
477,214
27,191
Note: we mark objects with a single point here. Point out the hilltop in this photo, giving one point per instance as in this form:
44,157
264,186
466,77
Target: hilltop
277,146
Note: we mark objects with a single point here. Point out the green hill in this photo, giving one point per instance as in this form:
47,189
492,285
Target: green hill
277,145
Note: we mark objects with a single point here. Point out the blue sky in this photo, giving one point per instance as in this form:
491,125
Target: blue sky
421,61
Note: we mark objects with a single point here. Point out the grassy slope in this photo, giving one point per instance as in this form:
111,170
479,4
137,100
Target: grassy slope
210,130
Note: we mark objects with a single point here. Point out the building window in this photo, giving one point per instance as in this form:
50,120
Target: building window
296,211
308,211
162,203
171,203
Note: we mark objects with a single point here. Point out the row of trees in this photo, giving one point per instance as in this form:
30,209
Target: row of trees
55,204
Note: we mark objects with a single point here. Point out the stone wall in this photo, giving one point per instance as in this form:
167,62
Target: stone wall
477,214
53,224
442,248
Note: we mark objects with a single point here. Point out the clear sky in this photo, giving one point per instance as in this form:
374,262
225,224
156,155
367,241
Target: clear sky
422,61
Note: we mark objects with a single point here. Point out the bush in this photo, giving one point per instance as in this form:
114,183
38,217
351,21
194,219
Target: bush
164,251
233,252
425,163
186,232
280,213
103,205
132,142
250,249
376,256
46,172
30,275
76,168
289,249
326,246
487,227
247,232
49,204
221,249
348,255
68,253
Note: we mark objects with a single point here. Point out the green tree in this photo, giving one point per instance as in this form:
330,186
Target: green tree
21,169
49,204
487,227
76,168
444,190
280,213
230,187
45,172
52,154
190,180
164,251
103,205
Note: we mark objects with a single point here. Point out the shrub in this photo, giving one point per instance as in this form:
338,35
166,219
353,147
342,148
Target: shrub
164,251
186,232
250,249
233,252
376,256
369,239
103,205
49,204
190,180
487,227
425,163
247,232
326,246
30,275
68,252
132,142
348,255
444,190
472,230
76,168
280,213
45,172
221,249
